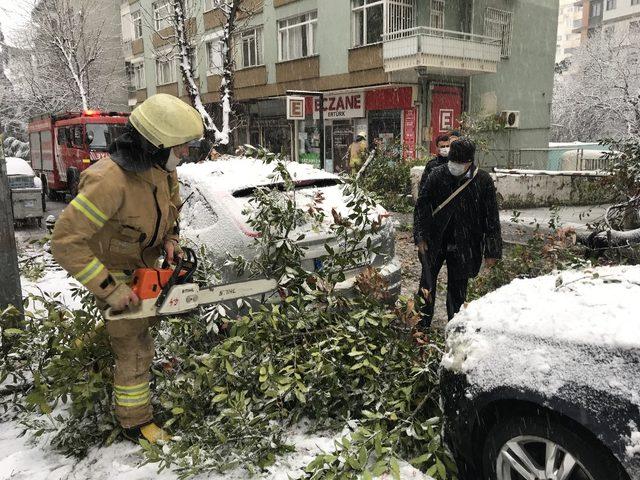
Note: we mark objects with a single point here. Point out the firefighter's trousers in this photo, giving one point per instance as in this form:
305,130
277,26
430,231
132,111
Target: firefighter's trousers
133,349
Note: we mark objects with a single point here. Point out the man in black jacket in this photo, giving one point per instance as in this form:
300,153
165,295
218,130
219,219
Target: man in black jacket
443,144
459,224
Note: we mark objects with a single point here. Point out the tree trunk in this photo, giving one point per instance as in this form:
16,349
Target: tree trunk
610,239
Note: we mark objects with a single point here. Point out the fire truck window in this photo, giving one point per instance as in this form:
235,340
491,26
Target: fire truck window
68,135
77,137
62,136
102,134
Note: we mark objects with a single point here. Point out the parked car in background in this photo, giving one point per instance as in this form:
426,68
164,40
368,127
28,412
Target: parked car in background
541,379
28,201
216,194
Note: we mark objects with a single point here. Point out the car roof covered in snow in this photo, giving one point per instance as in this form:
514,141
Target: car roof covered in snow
18,166
231,174
596,306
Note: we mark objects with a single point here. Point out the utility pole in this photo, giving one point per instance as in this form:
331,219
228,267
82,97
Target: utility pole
10,290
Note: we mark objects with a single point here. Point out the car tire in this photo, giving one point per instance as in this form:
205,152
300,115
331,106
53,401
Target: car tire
525,438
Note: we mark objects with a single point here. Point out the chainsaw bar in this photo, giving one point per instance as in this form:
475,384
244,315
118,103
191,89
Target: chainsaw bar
186,297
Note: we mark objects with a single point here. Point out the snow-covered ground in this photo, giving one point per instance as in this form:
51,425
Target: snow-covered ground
22,458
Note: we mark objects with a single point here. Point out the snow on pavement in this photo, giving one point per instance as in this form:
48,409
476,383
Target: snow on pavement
25,458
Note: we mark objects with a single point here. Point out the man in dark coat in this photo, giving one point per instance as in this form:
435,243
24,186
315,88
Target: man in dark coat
457,229
442,145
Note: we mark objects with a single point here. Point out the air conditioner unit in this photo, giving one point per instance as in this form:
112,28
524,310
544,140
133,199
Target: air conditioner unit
510,118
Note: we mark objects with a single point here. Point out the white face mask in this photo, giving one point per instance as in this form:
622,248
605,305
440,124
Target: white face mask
172,162
458,169
444,151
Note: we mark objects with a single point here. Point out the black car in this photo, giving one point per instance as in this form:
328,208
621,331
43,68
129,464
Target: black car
541,379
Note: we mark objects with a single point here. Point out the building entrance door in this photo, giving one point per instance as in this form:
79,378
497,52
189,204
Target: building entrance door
446,108
342,138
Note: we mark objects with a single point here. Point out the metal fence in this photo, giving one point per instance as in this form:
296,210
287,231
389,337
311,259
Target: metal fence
576,159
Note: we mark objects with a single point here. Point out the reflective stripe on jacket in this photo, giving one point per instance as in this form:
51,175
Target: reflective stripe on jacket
118,221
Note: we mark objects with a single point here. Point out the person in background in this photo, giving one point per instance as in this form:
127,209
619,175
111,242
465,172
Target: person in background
454,135
442,148
357,152
459,224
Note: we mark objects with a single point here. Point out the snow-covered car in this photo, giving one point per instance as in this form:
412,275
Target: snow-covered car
541,379
27,198
216,194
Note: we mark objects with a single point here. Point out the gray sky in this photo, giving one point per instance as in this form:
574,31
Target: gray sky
14,14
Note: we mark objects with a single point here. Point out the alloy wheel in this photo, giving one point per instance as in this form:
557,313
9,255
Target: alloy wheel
535,458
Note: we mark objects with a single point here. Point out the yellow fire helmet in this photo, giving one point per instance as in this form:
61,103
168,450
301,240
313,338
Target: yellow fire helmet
166,121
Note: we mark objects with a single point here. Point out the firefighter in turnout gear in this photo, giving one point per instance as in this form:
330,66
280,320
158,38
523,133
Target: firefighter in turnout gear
124,216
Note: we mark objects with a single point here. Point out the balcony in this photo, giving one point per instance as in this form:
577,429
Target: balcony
440,51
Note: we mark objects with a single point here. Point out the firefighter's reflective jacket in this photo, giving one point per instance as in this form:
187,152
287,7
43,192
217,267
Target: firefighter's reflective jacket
118,222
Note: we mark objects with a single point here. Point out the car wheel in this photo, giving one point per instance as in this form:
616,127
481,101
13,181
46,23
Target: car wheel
542,448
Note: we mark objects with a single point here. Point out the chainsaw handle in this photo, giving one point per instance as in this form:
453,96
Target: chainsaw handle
144,309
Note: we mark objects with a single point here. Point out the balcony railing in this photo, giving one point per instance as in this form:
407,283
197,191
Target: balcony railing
441,51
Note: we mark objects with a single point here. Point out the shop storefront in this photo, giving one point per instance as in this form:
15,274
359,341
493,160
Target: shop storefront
385,115
264,123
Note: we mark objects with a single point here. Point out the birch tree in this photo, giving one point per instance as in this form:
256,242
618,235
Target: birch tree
183,40
67,58
598,95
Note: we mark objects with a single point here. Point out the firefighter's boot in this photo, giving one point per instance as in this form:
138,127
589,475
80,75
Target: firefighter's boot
151,432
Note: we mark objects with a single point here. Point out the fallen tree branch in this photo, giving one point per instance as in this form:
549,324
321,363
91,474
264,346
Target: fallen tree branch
366,164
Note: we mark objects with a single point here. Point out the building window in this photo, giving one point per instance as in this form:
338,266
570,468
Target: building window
214,54
611,4
136,19
437,14
498,25
635,2
162,14
297,36
193,61
368,16
165,71
596,9
137,75
250,48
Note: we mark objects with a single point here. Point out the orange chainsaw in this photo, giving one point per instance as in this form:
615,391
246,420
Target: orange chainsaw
170,291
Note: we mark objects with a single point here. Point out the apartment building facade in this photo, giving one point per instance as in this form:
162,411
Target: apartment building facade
612,17
570,22
402,70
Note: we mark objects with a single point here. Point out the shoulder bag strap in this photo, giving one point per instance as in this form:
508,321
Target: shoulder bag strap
455,193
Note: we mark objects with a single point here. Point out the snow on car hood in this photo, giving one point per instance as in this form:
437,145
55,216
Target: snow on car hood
578,327
18,166
231,174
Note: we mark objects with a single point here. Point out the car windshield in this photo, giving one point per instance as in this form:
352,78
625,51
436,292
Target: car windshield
100,135
311,183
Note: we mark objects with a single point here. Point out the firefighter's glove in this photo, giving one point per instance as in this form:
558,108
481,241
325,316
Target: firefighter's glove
121,298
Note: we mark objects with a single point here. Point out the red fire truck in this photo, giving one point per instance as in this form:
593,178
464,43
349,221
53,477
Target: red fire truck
63,145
